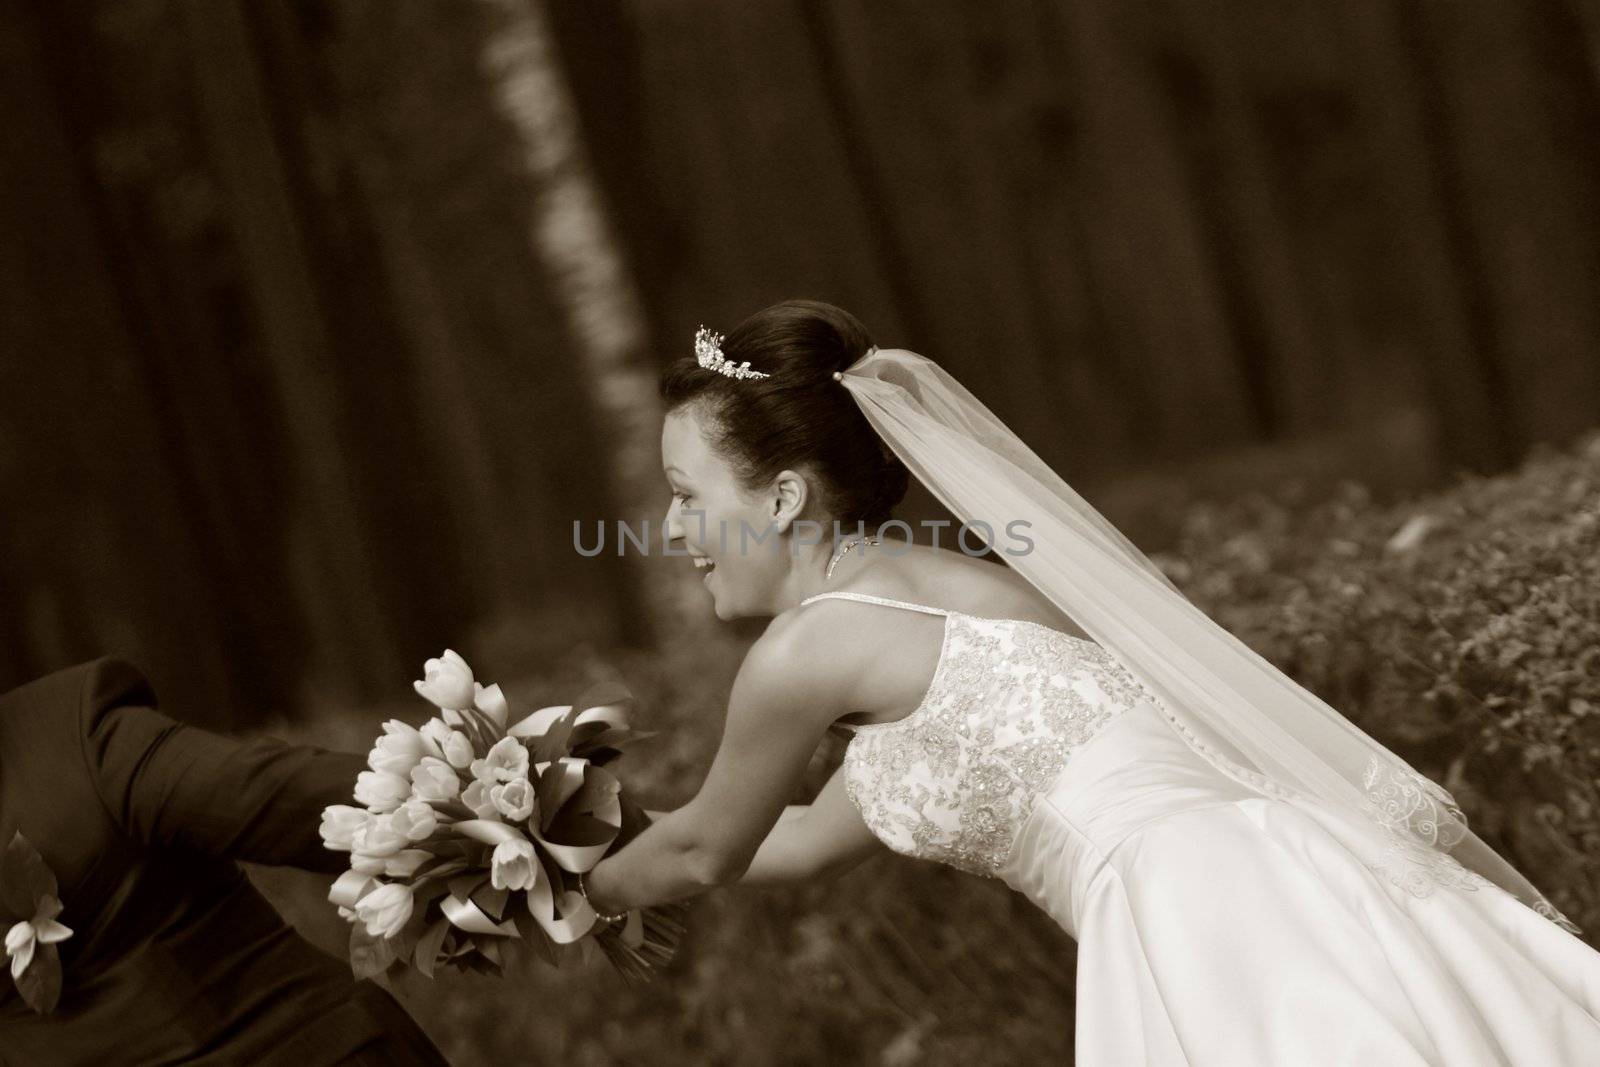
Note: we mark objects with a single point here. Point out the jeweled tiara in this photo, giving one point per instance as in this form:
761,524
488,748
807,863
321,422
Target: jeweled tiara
708,350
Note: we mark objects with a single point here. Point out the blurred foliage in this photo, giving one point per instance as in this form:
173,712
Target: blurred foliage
1463,629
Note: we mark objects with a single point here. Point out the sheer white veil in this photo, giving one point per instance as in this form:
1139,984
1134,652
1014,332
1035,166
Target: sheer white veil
1230,705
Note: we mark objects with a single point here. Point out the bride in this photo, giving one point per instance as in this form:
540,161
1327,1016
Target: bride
1250,878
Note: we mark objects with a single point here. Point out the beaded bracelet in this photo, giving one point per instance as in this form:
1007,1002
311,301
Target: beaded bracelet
583,889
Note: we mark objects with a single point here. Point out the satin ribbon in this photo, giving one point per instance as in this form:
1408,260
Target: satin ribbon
466,915
539,722
565,916
580,859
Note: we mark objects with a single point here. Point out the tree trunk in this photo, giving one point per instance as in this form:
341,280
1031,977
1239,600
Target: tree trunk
571,236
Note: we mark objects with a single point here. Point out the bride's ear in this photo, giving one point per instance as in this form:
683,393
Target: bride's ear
790,493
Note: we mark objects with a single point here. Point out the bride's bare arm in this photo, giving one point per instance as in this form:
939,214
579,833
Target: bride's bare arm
816,840
787,693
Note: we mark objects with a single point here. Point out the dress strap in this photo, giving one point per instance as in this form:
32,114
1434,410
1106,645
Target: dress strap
868,598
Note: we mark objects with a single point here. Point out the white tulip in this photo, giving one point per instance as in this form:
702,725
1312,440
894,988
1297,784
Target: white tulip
513,865
447,682
399,749
514,799
378,838
476,796
433,779
381,791
385,909
339,822
458,750
415,819
404,864
508,759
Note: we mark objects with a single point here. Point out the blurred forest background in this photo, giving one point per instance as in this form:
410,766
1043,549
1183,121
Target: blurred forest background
322,322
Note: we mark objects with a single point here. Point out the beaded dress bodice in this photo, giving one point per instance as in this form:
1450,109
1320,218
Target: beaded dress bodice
1008,704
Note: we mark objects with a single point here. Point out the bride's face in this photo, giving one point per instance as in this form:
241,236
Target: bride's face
718,522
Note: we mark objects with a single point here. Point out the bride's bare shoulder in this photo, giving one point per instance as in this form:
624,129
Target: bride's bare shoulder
808,655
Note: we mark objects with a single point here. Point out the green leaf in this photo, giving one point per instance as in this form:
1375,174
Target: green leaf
477,962
556,741
440,869
491,900
369,956
453,808
24,878
547,790
428,892
579,829
462,886
426,953
40,983
552,869
41,879
402,944
442,846
599,756
456,944
533,935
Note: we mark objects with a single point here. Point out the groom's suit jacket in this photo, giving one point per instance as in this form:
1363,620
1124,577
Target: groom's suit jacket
174,956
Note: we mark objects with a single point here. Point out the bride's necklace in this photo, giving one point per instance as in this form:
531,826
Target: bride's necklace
844,549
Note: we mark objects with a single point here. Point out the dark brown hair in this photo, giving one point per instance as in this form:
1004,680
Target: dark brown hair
799,417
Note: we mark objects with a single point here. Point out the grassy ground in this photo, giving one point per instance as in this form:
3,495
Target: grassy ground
1471,644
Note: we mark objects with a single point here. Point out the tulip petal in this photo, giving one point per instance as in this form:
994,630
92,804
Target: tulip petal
492,702
19,934
50,932
21,958
350,887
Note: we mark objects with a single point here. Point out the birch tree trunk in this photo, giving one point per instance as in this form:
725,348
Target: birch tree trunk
572,237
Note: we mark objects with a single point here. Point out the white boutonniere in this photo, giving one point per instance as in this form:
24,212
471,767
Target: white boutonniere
28,895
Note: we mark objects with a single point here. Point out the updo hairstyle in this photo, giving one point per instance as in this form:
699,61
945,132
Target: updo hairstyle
799,417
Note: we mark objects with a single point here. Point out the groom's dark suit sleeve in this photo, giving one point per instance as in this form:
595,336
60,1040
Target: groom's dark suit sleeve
177,786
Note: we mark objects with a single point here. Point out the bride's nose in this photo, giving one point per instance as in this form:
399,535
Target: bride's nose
672,521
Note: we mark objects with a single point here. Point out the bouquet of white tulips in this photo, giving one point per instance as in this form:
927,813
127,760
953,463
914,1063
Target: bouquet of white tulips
474,831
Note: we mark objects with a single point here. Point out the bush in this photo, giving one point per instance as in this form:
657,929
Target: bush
1463,630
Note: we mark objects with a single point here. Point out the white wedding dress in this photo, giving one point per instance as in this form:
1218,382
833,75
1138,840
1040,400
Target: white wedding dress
1216,925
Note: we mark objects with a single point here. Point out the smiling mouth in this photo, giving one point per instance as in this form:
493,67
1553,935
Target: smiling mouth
703,564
